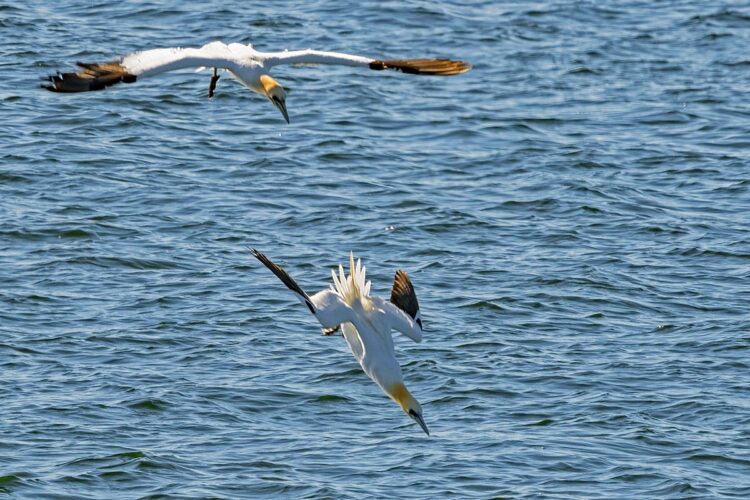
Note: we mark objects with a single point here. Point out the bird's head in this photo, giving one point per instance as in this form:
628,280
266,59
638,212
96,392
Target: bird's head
275,93
411,406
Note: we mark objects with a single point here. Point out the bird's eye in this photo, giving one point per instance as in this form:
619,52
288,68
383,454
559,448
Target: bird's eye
412,413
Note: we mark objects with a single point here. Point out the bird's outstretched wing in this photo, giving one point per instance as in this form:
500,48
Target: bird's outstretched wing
327,306
285,278
423,66
128,69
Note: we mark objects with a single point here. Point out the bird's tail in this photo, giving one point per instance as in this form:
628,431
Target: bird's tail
353,287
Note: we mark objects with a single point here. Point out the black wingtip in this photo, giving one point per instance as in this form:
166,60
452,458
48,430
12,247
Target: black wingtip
437,67
91,76
403,295
262,258
284,277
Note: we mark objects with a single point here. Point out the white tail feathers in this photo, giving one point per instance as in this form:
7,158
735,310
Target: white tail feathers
354,286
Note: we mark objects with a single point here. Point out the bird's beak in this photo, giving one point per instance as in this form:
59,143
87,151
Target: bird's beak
418,419
281,105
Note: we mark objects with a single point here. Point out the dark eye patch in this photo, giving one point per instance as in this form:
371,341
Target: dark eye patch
419,322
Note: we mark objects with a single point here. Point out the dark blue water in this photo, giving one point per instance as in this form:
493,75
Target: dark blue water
573,213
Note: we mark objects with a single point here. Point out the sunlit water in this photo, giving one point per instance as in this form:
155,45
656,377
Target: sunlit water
574,214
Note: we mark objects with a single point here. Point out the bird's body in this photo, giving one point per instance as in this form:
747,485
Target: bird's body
372,344
241,61
249,66
366,323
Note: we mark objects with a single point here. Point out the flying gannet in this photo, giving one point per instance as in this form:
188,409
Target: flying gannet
246,64
366,324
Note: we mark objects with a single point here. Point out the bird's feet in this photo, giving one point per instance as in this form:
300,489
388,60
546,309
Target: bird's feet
330,331
211,86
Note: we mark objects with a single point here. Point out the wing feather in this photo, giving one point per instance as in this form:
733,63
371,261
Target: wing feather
435,67
403,295
91,76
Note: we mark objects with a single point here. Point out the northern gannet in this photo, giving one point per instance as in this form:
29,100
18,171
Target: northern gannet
246,64
366,324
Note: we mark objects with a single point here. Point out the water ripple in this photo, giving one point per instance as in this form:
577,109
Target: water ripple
573,214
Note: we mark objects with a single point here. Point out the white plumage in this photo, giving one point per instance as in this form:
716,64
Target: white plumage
366,323
234,56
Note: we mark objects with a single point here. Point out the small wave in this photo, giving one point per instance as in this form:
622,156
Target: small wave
332,398
131,263
542,423
107,460
149,405
709,457
483,304
4,480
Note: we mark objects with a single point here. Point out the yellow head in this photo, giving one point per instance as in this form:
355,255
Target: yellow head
275,93
401,395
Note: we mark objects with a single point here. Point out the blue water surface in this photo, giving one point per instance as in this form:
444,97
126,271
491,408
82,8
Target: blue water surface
574,214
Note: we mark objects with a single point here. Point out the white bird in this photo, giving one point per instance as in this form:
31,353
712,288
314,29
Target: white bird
246,64
366,324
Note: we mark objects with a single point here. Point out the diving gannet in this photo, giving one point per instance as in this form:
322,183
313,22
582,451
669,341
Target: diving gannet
366,324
